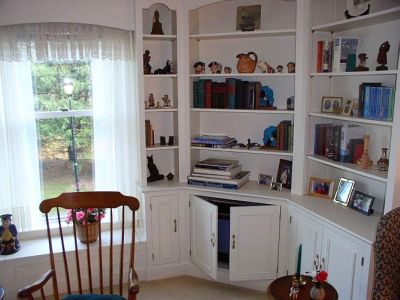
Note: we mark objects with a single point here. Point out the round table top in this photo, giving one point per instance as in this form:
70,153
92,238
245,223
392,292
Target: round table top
279,289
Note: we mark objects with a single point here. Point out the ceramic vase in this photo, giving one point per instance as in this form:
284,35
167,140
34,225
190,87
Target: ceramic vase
383,162
317,291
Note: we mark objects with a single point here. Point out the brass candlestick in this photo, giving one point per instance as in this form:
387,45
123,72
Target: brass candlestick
364,161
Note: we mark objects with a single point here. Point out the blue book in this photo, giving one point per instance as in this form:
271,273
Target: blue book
391,103
213,184
230,91
385,103
367,100
375,103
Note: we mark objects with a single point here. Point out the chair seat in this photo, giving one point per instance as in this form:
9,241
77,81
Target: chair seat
93,297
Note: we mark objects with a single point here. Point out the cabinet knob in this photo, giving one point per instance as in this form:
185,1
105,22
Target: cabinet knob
233,241
175,226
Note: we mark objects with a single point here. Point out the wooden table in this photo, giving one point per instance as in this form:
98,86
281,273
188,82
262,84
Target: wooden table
279,289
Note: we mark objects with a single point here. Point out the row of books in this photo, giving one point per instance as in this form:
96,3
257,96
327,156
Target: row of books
219,173
149,134
284,132
232,94
213,141
338,55
376,101
342,143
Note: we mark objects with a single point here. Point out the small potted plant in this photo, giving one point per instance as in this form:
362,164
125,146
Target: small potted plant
86,222
319,275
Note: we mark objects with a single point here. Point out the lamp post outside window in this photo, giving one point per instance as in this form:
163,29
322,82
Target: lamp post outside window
68,89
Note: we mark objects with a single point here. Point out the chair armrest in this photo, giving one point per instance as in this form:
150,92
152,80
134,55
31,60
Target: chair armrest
133,284
27,291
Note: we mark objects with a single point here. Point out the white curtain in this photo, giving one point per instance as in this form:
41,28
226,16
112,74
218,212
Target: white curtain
115,128
114,108
19,175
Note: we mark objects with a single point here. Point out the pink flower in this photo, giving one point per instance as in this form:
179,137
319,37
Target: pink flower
80,215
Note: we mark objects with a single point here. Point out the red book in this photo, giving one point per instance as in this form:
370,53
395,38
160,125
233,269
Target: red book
207,93
320,51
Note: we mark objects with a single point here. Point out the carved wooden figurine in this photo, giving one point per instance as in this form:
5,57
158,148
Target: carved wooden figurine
157,26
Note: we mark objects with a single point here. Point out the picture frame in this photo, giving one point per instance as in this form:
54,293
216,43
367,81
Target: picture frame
248,17
344,191
347,107
276,186
332,105
285,173
362,202
321,187
265,179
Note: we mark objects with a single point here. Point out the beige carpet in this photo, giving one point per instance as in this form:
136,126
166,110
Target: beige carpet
185,287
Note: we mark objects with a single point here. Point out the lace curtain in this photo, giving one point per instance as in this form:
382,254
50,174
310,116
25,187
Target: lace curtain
63,41
109,51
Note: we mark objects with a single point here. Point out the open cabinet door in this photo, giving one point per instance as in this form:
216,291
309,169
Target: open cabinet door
254,242
204,234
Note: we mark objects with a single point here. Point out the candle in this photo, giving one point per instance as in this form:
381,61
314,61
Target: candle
299,260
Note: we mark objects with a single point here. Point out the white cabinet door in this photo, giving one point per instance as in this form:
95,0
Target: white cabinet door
306,232
204,233
345,264
164,228
254,242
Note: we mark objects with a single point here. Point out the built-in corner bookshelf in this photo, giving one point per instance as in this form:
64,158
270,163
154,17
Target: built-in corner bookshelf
213,37
371,30
159,115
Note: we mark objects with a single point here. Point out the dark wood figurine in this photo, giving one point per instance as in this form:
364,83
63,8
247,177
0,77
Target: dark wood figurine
146,60
154,173
382,56
157,26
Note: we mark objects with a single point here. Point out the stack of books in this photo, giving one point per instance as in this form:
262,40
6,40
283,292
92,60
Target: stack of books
213,141
220,173
376,101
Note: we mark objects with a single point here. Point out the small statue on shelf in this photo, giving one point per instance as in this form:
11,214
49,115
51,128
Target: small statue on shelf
382,56
199,67
227,70
9,243
146,61
151,101
291,67
363,60
265,67
158,105
215,67
154,173
166,70
279,69
166,100
157,26
170,176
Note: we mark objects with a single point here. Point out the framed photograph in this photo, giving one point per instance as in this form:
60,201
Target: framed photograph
265,179
321,187
344,190
331,105
285,173
362,202
276,186
248,17
347,107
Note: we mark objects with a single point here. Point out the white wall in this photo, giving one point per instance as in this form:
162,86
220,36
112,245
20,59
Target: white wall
115,13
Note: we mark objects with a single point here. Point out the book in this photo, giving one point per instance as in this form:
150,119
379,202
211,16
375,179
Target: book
230,172
214,95
207,93
222,96
202,93
239,179
217,163
343,47
356,149
231,92
349,132
320,50
326,56
195,94
213,184
361,96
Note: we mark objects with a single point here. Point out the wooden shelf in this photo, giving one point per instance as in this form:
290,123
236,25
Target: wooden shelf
158,147
244,111
159,37
352,119
148,110
160,75
362,21
372,173
244,34
243,150
244,75
368,73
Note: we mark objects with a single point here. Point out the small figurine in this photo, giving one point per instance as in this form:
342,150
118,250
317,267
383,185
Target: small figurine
9,243
215,67
171,140
157,26
382,56
165,70
290,103
265,67
279,69
199,67
363,60
250,145
146,60
158,106
154,173
166,101
151,101
227,70
170,176
162,141
291,67
267,97
270,135
247,63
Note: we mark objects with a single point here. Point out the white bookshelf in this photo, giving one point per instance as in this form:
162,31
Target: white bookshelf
352,119
241,35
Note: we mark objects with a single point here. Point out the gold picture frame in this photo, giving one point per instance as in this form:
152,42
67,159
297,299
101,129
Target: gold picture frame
321,187
332,105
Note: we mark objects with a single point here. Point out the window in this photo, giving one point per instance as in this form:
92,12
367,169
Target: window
53,141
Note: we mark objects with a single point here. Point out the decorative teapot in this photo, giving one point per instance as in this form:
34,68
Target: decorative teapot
245,63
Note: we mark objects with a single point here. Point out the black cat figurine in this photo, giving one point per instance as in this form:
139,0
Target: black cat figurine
154,173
